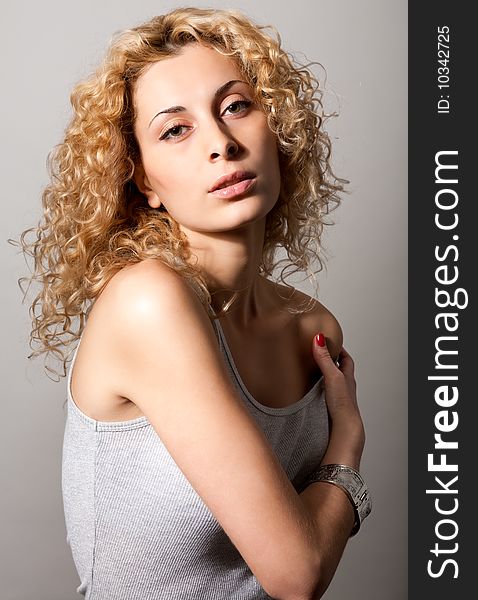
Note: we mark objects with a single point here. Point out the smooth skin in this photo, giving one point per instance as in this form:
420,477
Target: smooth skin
158,350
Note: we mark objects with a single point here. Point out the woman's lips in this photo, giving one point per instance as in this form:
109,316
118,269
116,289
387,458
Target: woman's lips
235,189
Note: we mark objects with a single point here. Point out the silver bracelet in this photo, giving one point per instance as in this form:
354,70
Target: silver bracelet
351,482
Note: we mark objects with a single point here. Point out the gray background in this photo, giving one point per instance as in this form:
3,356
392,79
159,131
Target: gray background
46,47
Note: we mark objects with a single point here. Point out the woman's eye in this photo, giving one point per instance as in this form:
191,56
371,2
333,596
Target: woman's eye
235,108
173,132
238,106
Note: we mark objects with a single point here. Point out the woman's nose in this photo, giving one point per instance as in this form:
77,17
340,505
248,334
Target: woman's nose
227,150
222,145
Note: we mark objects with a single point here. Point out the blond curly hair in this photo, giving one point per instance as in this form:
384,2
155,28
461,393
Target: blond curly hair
95,220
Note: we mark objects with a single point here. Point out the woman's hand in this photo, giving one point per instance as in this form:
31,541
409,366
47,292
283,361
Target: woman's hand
347,436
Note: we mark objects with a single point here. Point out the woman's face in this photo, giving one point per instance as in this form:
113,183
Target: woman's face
195,124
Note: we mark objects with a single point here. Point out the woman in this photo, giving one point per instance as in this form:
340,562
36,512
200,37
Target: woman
205,417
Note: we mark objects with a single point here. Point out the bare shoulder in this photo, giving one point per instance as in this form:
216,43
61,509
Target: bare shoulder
318,319
321,320
147,314
140,280
136,302
146,290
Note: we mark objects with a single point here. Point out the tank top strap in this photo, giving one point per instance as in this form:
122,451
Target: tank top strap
72,363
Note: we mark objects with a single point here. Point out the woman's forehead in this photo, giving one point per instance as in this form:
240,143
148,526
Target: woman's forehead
196,73
193,65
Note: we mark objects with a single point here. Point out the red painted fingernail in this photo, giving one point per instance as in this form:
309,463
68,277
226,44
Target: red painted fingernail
320,339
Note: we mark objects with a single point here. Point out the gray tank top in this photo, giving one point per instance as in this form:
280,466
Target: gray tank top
136,527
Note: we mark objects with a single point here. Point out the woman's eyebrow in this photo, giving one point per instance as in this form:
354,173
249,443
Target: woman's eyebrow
218,92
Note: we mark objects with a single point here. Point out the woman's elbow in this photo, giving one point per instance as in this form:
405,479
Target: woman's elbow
289,586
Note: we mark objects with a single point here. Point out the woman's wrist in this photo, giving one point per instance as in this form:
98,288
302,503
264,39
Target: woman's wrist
350,482
346,444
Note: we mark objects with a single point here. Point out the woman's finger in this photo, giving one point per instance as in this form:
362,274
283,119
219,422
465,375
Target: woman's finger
346,363
322,355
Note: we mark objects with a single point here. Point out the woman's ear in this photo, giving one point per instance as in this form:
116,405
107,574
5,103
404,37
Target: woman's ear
141,180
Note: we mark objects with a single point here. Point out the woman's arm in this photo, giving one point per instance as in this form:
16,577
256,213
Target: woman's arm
329,507
169,364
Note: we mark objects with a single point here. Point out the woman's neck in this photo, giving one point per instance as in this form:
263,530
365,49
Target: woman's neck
230,262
